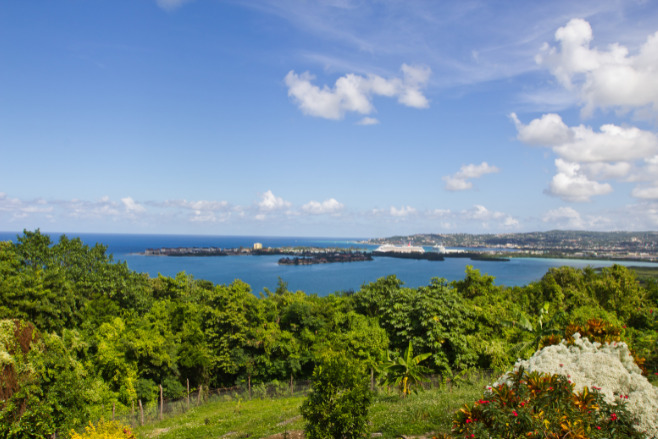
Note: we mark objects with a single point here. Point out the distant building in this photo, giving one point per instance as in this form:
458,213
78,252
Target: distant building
258,246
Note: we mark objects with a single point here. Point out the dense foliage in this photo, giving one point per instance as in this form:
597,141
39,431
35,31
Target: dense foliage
337,406
103,334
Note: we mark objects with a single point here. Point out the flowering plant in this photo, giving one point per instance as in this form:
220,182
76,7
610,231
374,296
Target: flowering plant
608,369
538,405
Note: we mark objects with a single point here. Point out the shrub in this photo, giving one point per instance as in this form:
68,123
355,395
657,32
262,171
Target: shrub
608,369
337,406
105,430
537,405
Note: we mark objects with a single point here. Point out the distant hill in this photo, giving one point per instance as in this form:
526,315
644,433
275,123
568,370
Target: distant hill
563,241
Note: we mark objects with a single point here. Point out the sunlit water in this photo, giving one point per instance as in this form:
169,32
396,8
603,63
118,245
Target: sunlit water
263,271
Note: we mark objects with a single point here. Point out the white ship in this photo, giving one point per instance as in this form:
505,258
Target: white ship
389,248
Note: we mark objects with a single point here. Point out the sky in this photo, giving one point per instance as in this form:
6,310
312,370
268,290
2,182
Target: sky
337,118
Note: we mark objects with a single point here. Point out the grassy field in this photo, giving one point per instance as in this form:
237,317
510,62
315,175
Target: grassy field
392,416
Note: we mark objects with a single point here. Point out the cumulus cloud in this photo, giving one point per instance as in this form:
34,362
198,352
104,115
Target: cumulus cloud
329,206
603,78
270,202
460,181
571,184
131,206
354,93
170,5
548,130
646,192
585,154
583,144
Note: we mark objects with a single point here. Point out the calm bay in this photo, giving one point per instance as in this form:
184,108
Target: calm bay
262,272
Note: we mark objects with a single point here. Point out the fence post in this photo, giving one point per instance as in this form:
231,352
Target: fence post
198,397
161,402
141,412
188,393
291,387
249,377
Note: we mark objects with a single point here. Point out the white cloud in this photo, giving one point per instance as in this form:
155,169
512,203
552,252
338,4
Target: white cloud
459,181
368,121
571,184
485,216
131,206
583,144
170,5
646,192
585,155
608,78
548,130
200,205
612,143
326,207
564,217
354,93
606,171
271,202
404,211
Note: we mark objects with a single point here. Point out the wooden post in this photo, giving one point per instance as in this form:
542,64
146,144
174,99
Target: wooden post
291,388
249,377
372,379
141,412
161,402
188,393
198,397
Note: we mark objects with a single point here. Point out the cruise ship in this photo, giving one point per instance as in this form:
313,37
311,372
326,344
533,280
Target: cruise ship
389,248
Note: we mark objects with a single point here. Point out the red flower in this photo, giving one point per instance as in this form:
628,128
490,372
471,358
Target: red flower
514,413
598,428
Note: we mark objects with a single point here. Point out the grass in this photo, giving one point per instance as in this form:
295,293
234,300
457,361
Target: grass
390,415
236,419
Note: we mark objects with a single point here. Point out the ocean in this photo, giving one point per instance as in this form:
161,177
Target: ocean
262,272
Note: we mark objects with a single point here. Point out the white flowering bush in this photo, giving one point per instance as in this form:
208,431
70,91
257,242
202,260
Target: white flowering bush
608,368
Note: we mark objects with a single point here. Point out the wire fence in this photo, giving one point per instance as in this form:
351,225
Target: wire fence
141,413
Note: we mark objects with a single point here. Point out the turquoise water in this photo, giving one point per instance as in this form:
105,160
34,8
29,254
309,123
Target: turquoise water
263,271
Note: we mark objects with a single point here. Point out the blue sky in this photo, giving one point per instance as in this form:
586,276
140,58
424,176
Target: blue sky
328,118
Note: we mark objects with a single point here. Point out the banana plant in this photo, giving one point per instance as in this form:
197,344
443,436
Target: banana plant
406,371
538,331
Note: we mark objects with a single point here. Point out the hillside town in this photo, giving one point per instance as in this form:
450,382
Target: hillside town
641,246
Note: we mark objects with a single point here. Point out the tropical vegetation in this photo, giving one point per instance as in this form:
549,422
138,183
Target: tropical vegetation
81,334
